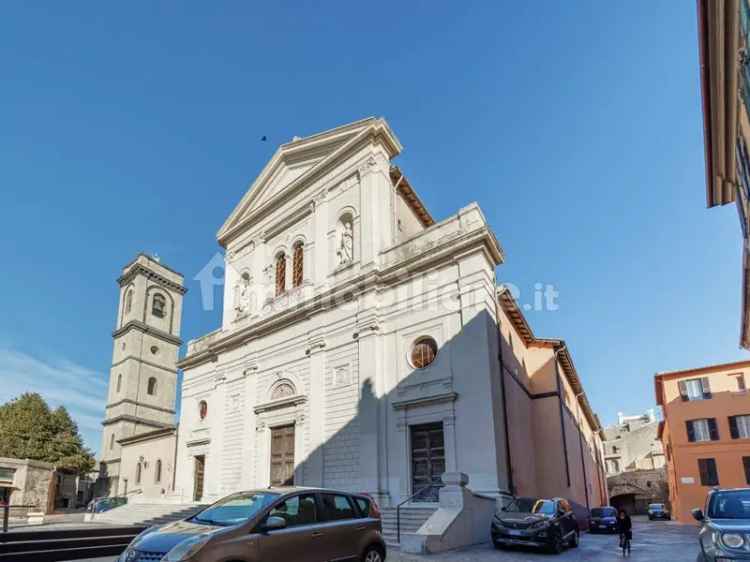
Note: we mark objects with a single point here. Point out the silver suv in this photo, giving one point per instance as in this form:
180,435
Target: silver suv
725,526
289,524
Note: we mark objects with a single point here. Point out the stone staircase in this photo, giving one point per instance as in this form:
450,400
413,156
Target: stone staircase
146,513
412,518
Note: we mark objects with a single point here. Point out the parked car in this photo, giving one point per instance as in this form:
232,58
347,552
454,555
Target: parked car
603,519
658,511
725,525
100,505
542,523
289,524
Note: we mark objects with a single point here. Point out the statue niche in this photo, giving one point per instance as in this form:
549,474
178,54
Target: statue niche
345,241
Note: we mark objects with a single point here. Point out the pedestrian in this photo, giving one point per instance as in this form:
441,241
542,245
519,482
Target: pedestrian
625,528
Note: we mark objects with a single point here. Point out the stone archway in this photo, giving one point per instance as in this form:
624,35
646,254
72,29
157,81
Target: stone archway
623,501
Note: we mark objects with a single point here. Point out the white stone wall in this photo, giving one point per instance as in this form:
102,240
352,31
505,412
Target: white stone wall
347,353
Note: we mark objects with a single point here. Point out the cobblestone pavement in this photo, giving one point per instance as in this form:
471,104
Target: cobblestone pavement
653,542
656,541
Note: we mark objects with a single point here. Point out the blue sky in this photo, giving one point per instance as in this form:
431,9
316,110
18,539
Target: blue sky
576,126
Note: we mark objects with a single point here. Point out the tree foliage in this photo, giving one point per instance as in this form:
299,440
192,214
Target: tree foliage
29,429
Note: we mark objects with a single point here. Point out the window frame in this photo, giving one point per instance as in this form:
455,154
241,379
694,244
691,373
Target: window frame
159,310
324,510
316,502
423,340
734,427
711,469
685,387
280,274
298,264
712,428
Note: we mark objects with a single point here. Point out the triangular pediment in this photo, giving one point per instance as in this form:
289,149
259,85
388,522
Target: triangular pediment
292,163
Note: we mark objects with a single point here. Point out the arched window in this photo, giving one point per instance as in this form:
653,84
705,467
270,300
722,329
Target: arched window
423,353
157,472
202,409
298,264
128,301
138,473
111,441
151,386
158,305
280,274
119,382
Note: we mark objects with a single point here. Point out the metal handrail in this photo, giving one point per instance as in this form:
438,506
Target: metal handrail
407,500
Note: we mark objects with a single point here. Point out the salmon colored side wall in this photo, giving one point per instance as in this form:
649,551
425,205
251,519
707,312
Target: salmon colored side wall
685,488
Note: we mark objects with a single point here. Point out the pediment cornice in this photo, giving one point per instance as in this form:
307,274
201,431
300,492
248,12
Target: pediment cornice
331,147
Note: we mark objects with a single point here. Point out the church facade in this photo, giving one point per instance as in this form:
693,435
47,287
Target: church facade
359,347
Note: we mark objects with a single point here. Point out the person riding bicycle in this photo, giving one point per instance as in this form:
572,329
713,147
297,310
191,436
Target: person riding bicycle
625,528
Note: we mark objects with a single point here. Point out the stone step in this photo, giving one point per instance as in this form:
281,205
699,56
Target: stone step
412,518
147,514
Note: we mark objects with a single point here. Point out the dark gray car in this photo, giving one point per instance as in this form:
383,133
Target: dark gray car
289,524
725,525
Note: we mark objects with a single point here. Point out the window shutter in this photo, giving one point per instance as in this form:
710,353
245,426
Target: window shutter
733,430
690,431
712,474
741,382
703,469
713,429
706,388
746,462
683,390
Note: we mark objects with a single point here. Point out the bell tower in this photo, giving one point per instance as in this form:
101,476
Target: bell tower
143,376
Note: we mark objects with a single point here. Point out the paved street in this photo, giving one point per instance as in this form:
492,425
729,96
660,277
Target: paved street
653,542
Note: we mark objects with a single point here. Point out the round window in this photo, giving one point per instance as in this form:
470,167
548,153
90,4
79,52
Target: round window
154,349
423,353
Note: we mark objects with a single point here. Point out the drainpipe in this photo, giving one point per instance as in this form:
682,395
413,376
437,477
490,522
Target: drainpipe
580,443
508,461
559,350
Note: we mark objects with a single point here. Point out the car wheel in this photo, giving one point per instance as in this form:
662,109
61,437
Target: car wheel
557,545
373,554
574,540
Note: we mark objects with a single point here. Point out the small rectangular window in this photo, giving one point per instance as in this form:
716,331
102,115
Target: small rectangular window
6,474
702,430
695,389
297,510
741,382
708,472
364,506
337,507
739,426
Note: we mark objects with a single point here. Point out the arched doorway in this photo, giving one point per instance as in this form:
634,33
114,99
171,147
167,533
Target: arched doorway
623,501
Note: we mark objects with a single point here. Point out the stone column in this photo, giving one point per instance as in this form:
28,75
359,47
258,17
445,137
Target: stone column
314,469
371,405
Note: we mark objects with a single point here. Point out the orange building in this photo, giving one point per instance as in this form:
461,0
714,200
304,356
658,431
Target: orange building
705,432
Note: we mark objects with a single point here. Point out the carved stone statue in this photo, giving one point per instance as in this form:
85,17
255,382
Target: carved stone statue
242,295
345,252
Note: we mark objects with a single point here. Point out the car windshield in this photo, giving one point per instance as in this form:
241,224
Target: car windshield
235,509
656,506
545,507
520,505
603,512
733,504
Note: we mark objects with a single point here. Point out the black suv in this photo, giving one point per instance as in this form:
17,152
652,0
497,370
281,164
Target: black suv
541,523
725,526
